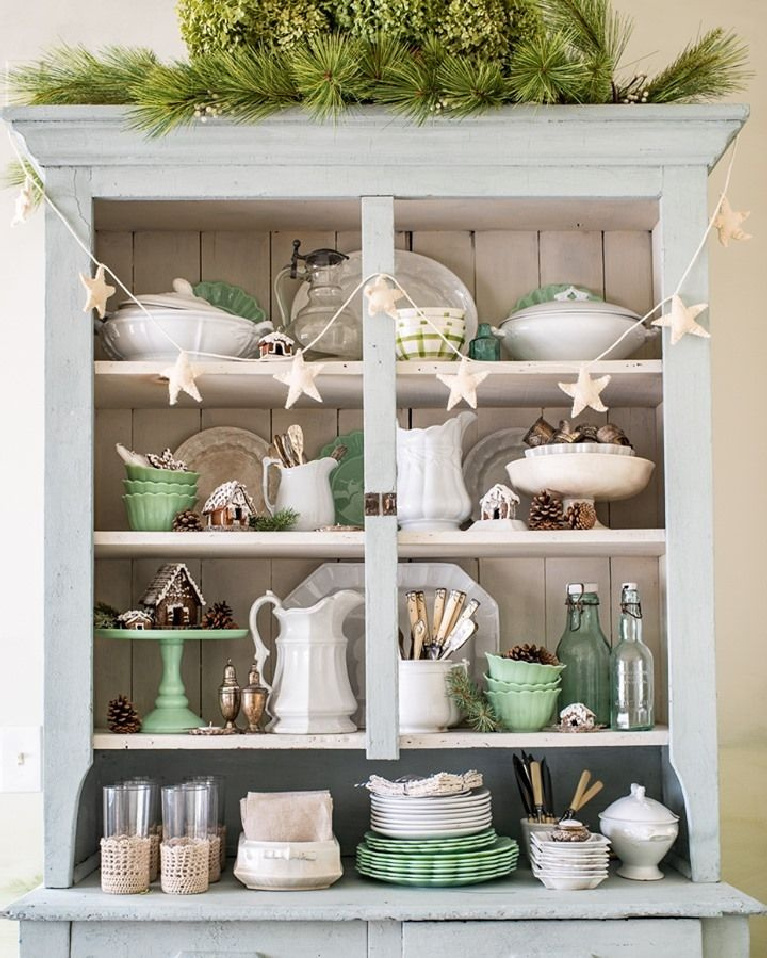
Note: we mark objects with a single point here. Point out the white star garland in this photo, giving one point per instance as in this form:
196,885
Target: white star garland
383,298
180,378
729,223
300,379
586,392
98,292
463,384
24,204
681,319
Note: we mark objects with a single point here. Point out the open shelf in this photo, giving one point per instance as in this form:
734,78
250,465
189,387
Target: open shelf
351,545
137,385
356,740
518,897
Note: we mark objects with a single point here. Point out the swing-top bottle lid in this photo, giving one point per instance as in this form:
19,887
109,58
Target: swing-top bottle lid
629,585
580,588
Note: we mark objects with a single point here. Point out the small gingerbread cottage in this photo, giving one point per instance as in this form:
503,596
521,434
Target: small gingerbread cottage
173,598
500,502
229,507
136,619
275,345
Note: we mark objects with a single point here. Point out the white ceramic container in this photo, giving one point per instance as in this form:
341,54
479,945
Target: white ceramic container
431,493
287,866
130,334
311,691
424,702
306,489
641,830
572,331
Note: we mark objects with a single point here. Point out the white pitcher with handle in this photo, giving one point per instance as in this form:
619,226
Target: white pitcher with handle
311,691
431,493
306,489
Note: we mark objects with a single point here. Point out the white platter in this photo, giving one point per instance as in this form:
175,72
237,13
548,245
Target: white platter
428,832
438,822
480,796
223,453
485,463
428,282
332,576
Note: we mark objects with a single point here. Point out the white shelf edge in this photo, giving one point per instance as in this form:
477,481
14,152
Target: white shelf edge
350,545
356,740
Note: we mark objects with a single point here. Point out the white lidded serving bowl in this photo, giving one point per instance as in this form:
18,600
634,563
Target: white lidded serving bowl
641,830
287,866
568,330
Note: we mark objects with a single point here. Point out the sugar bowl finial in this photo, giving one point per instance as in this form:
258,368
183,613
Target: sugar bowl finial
229,696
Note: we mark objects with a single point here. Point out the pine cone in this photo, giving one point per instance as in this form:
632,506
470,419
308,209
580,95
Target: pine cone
122,717
531,653
546,512
219,616
187,521
581,515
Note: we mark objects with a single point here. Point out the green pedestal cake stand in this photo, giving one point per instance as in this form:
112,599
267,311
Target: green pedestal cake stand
171,713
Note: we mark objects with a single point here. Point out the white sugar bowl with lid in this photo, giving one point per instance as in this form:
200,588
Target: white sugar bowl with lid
641,831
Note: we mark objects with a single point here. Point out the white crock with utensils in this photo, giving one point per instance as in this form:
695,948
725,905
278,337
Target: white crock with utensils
306,490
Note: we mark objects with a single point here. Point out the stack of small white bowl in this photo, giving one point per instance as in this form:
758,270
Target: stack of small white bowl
569,865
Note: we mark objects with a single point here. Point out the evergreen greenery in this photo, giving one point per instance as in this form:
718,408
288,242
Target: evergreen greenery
282,521
104,616
471,701
419,58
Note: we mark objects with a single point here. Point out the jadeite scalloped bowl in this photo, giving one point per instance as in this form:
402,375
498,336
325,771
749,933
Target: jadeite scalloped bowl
521,673
147,474
155,511
134,486
524,711
496,685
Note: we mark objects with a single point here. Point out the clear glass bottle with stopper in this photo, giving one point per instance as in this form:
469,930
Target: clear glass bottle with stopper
632,670
585,652
320,271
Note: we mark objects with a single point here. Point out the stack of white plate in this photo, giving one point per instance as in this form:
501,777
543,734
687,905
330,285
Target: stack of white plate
569,866
444,816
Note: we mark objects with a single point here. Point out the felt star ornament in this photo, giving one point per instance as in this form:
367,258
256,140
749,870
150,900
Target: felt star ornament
585,392
382,298
300,379
24,204
729,223
98,292
463,384
681,319
180,378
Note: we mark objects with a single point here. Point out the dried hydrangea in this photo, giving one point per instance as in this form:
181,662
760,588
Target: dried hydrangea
406,20
490,28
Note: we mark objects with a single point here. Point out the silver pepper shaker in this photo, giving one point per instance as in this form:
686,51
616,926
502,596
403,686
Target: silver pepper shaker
229,697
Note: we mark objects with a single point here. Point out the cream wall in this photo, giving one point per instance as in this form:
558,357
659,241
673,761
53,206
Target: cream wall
740,450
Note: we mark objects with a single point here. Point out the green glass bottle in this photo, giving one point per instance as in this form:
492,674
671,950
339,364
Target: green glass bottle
486,346
632,670
585,651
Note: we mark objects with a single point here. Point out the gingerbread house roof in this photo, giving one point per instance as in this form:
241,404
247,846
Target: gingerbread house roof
276,337
134,615
158,588
232,493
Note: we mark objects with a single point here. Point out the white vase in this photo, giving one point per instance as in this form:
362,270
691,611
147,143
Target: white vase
306,490
424,702
431,493
311,691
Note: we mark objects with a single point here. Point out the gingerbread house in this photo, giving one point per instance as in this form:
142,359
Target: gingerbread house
500,502
173,598
275,345
229,507
136,619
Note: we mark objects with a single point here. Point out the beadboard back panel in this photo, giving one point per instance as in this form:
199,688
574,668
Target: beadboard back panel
497,266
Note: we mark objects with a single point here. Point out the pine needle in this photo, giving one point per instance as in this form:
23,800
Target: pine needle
378,58
249,83
282,521
411,87
72,74
169,96
470,700
326,73
595,29
470,87
543,70
714,66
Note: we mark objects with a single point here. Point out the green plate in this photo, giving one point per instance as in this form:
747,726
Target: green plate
435,882
437,872
347,480
404,846
171,633
501,846
231,299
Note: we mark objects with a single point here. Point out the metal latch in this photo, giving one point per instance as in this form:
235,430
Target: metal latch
380,503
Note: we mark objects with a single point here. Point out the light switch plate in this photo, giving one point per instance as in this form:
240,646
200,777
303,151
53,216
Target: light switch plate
21,759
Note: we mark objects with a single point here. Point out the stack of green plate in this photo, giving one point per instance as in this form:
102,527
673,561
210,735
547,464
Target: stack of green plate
437,863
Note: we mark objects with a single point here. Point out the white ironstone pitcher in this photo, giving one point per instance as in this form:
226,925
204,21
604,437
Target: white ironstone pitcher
311,691
306,490
431,493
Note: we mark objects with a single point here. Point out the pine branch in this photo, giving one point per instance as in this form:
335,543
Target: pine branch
282,521
378,58
596,30
470,700
471,87
170,96
249,83
72,74
104,616
715,66
411,87
326,73
543,70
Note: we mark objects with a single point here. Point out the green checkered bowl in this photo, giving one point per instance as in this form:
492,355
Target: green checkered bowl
422,333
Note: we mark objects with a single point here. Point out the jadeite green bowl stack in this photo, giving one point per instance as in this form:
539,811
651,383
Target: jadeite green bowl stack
523,694
153,497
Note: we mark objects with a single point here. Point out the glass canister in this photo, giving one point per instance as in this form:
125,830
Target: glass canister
185,849
216,818
585,651
126,846
632,670
155,821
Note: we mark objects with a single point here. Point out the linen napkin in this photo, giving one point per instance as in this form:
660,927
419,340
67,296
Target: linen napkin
287,816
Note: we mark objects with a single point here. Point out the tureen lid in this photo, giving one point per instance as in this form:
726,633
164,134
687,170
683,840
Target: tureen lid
572,308
637,808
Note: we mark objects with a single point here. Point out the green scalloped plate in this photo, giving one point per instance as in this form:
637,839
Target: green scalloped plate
347,480
171,633
231,299
546,294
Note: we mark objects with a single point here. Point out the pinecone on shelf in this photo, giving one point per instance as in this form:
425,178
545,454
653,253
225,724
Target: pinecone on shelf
187,521
219,616
531,653
122,716
546,512
581,515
